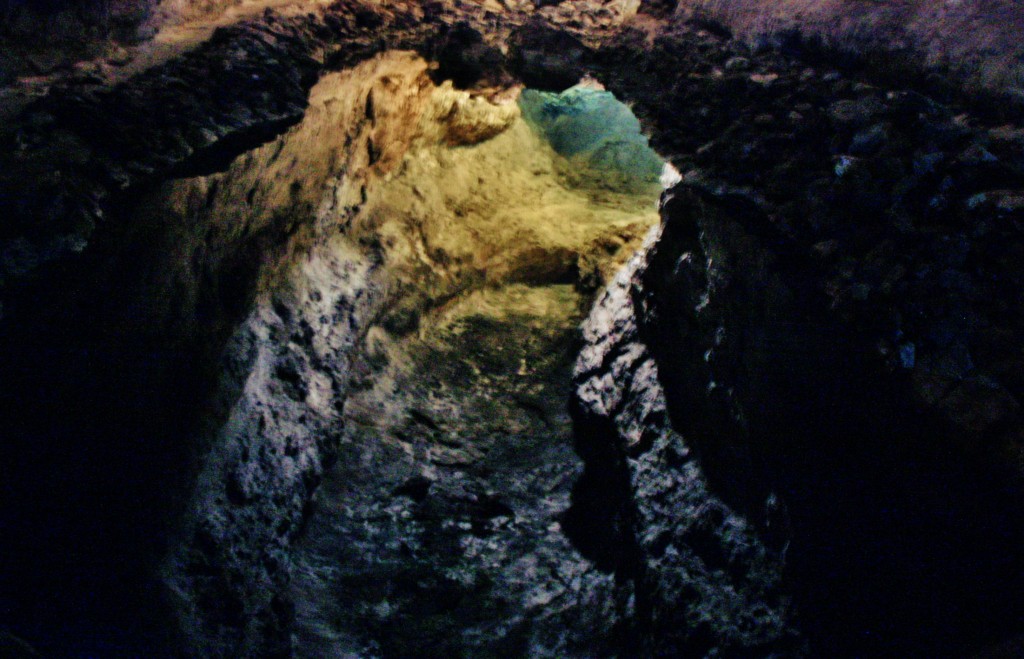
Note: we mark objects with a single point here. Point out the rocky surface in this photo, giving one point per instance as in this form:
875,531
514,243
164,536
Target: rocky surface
105,141
438,529
202,256
823,306
943,47
798,410
446,218
704,579
293,357
77,155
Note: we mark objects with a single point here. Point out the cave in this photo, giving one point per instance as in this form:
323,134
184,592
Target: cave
582,328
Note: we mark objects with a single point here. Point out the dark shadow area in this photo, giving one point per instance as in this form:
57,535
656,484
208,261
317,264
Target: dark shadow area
903,543
600,520
544,58
463,57
102,397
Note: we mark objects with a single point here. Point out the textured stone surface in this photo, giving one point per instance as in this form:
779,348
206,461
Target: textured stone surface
821,307
940,46
703,579
293,356
85,145
830,319
438,529
442,220
201,254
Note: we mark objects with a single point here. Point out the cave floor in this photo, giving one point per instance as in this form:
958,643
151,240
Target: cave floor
436,533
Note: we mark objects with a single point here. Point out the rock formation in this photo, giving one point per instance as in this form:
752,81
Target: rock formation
287,330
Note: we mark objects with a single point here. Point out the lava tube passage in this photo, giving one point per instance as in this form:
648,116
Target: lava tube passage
437,532
511,328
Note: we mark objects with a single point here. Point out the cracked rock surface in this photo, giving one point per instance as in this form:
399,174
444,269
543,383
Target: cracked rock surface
438,529
705,579
797,411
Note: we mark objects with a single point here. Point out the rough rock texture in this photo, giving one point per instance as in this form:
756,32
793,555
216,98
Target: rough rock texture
81,152
443,220
943,46
196,255
437,531
169,276
238,90
293,357
703,579
831,309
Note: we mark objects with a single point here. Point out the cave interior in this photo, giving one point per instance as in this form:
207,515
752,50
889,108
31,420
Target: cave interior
511,328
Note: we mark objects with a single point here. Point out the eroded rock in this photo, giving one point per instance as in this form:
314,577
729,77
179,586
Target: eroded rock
813,373
703,577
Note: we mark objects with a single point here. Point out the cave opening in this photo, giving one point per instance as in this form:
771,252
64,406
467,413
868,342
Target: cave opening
294,295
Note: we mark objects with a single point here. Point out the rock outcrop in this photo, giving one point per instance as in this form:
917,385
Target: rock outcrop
400,228
797,408
823,307
943,47
703,578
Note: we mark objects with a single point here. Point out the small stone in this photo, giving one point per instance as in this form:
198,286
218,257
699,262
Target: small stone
867,142
825,248
843,165
928,163
737,64
765,79
976,405
1007,133
977,155
908,355
860,292
1010,201
856,113
977,201
118,56
86,67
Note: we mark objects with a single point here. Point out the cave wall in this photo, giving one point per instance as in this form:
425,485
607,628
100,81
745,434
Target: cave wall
823,307
115,315
707,573
943,46
393,212
827,322
125,304
285,369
